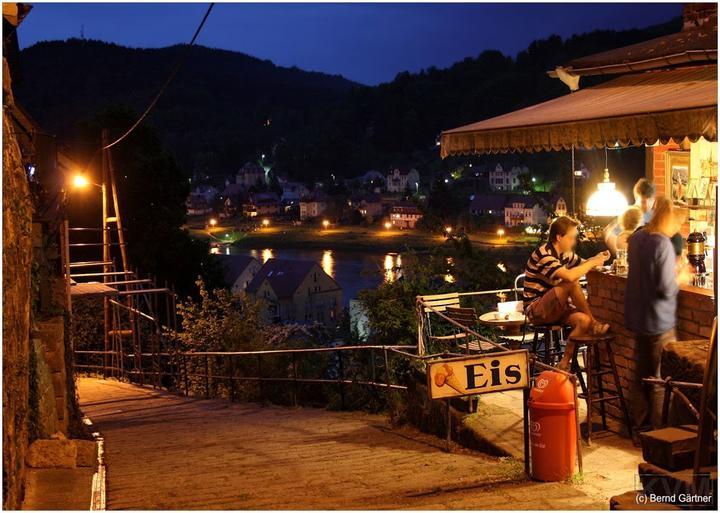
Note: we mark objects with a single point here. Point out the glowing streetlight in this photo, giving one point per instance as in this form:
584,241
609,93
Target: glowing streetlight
325,223
448,230
266,222
212,222
387,225
80,181
500,232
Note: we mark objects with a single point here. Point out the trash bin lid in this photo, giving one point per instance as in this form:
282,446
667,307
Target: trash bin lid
552,390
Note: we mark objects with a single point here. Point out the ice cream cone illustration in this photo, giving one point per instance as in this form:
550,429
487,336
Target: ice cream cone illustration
445,376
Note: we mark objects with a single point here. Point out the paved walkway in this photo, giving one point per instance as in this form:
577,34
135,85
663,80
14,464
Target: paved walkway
610,463
169,452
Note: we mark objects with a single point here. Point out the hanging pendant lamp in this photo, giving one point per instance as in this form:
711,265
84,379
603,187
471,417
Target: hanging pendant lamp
606,201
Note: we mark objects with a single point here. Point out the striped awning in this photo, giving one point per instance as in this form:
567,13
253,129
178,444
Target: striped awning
636,109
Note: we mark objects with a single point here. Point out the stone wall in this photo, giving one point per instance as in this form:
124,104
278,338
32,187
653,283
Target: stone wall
17,255
606,296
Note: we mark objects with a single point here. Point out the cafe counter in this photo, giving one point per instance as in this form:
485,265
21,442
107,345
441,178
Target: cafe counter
606,296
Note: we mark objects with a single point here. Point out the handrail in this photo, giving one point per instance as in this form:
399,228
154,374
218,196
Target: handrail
291,351
488,292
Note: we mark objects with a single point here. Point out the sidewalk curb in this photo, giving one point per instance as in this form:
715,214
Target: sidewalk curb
98,490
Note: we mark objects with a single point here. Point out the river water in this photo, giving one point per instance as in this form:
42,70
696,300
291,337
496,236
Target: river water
353,270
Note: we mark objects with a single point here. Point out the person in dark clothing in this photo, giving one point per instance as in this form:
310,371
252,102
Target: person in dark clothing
651,305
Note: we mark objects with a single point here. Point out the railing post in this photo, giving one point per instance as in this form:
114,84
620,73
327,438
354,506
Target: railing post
207,378
295,383
232,364
260,380
666,400
340,379
387,370
185,372
372,364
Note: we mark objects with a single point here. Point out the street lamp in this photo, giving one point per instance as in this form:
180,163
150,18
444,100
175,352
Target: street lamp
448,230
387,225
80,182
266,222
500,232
325,223
212,222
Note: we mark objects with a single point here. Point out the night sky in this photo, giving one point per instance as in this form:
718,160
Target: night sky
368,43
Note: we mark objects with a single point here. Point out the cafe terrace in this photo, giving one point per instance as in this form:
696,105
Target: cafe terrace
660,95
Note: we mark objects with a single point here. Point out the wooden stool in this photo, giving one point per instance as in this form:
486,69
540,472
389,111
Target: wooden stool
551,345
594,391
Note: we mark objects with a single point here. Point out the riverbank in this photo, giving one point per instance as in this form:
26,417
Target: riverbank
350,238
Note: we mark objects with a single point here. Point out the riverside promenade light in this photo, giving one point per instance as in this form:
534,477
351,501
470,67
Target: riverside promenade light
388,225
266,222
325,223
500,232
212,222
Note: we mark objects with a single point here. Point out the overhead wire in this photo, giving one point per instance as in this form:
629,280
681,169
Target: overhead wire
167,82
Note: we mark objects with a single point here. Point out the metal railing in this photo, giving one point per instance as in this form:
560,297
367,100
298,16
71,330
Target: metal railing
201,367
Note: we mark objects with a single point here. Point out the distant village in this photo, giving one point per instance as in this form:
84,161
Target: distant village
302,292
395,197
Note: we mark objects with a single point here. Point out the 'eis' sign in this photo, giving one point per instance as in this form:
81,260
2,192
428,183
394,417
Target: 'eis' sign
478,374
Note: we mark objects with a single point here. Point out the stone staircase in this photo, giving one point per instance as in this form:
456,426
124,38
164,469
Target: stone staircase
666,475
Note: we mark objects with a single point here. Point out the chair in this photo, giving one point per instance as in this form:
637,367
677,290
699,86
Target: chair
433,304
468,318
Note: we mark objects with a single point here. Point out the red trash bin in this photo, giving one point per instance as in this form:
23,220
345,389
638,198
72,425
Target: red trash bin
553,427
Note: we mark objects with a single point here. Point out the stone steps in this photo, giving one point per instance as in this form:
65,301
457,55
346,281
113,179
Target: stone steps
664,483
637,501
671,448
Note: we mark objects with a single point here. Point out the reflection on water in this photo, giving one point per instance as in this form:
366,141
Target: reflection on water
328,264
354,271
448,276
263,256
392,265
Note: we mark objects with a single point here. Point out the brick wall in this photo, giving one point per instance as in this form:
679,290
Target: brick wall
656,173
606,296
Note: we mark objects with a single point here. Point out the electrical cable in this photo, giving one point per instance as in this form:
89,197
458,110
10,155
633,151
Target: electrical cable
167,82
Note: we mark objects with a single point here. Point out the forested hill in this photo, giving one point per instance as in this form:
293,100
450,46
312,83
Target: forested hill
222,108
226,107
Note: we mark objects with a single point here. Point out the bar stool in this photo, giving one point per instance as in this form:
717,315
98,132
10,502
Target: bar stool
552,336
594,391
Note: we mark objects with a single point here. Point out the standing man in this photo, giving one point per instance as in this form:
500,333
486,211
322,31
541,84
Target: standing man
644,192
651,306
552,292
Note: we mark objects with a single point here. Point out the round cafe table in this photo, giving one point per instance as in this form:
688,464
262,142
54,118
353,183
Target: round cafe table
511,325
